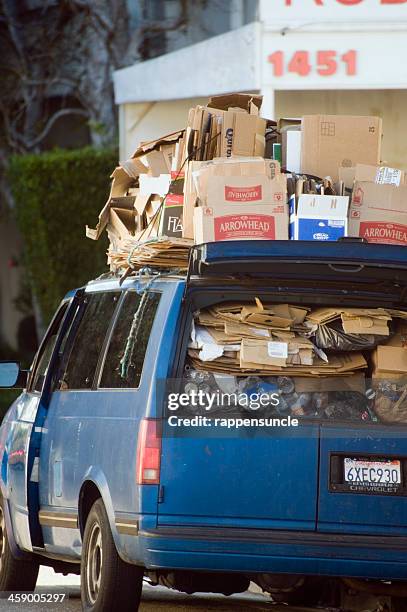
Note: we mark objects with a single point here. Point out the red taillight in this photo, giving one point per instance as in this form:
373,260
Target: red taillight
149,452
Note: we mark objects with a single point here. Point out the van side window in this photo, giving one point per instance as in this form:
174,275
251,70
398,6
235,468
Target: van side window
88,342
47,349
128,343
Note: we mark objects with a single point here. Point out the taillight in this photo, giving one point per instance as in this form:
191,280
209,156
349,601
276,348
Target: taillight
149,452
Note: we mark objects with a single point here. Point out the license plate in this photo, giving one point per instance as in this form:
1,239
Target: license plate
376,476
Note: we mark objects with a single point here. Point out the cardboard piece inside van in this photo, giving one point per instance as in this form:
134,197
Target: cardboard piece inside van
355,382
392,356
339,365
354,320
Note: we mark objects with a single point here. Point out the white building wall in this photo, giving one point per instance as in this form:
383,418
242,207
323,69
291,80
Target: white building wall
391,105
146,121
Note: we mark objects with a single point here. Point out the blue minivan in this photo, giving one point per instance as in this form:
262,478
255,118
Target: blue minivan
93,480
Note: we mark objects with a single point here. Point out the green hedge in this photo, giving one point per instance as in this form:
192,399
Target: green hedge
57,193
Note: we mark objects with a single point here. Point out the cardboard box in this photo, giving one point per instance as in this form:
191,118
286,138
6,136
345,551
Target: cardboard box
226,131
171,216
330,142
242,190
249,167
378,213
240,222
323,218
391,359
290,138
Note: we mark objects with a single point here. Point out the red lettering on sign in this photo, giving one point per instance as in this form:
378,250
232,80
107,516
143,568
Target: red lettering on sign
327,63
243,194
350,60
317,2
244,226
387,233
277,60
350,2
300,63
393,1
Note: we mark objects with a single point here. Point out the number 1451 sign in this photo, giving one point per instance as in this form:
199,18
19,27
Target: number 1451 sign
325,63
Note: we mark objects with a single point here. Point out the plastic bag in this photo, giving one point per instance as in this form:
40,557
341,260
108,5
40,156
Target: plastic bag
331,337
391,402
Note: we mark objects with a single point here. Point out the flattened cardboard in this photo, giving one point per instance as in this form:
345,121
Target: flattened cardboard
123,222
364,325
256,352
251,103
390,359
330,142
146,147
158,185
121,182
355,382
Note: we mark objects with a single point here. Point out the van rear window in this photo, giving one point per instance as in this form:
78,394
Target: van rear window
324,362
129,339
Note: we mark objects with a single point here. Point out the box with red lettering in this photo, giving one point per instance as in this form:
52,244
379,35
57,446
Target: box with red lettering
241,199
378,210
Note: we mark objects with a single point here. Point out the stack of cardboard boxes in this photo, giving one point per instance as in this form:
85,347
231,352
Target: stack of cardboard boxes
231,175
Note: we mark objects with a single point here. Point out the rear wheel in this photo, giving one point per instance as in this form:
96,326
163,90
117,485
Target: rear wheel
107,582
15,575
398,604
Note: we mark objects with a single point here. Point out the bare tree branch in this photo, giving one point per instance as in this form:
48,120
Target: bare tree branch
61,113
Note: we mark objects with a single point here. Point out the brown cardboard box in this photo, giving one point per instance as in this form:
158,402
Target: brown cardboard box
391,359
378,213
249,167
246,190
330,142
240,222
215,132
241,134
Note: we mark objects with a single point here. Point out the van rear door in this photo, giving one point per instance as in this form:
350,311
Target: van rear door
278,480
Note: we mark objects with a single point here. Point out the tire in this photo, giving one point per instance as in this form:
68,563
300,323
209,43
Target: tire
15,575
107,582
398,604
308,594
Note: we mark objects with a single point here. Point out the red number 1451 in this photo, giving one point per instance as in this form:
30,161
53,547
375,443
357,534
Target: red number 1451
327,63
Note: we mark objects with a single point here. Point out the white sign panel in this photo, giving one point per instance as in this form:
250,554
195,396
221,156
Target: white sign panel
335,60
287,11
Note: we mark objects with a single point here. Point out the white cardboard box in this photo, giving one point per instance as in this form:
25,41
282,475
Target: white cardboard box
323,218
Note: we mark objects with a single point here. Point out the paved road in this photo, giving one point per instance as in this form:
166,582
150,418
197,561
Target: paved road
155,599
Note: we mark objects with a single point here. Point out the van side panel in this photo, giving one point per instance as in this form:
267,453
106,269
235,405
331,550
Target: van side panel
93,434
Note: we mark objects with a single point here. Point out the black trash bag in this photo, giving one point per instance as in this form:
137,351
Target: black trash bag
331,337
